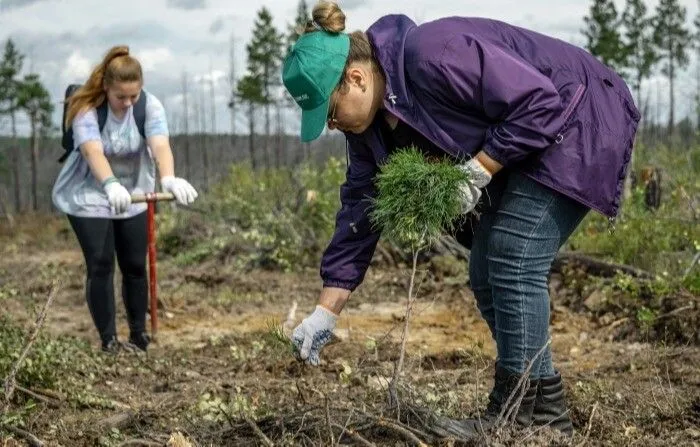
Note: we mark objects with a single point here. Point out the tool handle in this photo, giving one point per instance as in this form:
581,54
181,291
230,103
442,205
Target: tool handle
152,197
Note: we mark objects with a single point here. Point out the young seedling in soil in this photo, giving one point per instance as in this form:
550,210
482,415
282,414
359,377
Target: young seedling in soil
417,202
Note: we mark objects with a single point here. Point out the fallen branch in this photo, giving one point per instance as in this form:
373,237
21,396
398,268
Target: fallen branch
50,401
140,442
407,434
120,421
265,440
596,266
31,439
354,435
10,382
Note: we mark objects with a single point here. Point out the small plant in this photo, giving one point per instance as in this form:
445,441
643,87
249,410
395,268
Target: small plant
417,201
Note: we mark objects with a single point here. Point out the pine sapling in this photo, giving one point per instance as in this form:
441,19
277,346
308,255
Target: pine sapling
417,201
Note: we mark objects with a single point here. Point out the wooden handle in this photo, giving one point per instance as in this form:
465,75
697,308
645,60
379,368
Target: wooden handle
152,197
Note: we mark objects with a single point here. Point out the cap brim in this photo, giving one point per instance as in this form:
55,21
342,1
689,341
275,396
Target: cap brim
313,121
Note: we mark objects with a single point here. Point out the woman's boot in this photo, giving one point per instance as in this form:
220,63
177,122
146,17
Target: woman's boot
550,405
505,385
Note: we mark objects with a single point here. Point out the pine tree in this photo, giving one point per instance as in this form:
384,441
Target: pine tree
264,61
602,32
300,21
35,101
672,40
10,68
639,44
250,91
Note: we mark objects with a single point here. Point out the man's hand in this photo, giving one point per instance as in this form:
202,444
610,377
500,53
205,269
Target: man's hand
470,191
182,190
313,334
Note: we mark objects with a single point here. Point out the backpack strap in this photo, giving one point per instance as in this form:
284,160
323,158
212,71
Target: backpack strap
139,112
102,114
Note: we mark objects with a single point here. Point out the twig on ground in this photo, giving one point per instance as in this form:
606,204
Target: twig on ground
509,410
344,427
140,442
354,435
10,380
398,428
328,420
264,439
695,260
588,427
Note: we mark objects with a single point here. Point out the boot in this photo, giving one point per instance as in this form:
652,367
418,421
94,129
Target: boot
504,385
111,345
140,341
550,406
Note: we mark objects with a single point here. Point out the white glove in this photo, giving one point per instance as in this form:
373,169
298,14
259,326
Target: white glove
119,198
182,190
312,335
470,191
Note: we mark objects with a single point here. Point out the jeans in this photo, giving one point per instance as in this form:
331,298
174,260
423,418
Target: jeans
515,241
99,239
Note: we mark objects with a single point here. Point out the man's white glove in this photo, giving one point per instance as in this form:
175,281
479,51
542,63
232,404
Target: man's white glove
470,191
119,198
313,334
182,190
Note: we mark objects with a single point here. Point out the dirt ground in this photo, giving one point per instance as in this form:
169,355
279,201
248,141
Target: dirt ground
217,376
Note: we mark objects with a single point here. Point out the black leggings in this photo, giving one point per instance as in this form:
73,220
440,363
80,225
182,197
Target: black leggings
99,238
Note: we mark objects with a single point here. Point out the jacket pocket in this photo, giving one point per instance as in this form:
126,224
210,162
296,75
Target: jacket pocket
569,110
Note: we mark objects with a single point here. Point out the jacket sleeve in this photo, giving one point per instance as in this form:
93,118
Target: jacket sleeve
522,104
347,257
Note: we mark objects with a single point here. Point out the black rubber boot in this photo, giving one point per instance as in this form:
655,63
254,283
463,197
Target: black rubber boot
111,345
139,340
550,406
505,385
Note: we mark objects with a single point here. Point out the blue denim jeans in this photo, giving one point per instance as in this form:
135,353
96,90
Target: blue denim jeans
518,235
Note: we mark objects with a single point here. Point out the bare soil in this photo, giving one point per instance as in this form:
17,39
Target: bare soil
217,376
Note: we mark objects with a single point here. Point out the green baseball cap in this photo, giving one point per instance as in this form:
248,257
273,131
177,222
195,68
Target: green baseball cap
311,71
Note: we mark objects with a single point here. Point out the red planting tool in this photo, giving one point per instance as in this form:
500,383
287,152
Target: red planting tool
151,199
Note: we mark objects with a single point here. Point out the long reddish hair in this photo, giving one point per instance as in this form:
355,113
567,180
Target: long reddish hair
117,66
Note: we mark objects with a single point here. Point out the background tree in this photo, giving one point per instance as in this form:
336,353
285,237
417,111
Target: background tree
250,92
264,60
10,69
672,40
35,101
602,32
639,44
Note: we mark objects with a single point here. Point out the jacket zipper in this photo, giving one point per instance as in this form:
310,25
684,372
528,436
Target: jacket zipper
570,109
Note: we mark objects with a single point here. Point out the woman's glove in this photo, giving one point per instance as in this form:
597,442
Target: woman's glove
182,190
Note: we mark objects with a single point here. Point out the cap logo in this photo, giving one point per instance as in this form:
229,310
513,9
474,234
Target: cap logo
301,97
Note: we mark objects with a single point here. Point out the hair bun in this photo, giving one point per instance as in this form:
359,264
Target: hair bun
327,16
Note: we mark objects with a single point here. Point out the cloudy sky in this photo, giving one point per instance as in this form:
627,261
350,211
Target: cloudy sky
64,39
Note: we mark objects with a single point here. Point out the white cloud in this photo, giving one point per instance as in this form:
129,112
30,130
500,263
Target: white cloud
77,66
152,58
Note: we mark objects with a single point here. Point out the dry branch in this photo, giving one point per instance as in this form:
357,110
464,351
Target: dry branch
141,443
10,383
265,440
596,266
31,439
354,435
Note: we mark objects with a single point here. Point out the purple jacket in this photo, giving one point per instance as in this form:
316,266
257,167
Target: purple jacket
535,104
